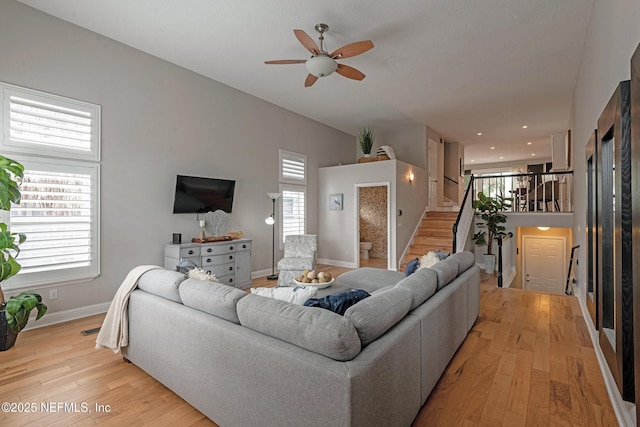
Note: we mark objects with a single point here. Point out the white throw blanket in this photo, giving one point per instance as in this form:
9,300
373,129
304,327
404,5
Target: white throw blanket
114,332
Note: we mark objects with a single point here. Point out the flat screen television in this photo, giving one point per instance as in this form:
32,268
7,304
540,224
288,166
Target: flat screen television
201,195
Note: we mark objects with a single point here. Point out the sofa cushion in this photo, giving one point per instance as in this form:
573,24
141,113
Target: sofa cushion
422,285
295,295
464,259
369,279
446,270
320,331
214,298
374,316
163,283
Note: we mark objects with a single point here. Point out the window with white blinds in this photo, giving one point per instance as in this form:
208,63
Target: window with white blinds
293,211
59,215
57,139
293,167
293,180
44,124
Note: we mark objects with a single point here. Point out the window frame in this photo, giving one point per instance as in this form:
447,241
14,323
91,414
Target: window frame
8,144
291,184
70,275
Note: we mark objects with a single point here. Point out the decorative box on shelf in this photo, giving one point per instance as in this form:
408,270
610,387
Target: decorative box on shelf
229,260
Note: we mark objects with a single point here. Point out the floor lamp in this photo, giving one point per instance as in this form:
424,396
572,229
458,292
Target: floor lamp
270,220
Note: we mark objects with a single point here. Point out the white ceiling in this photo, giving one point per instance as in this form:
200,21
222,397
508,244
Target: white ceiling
460,67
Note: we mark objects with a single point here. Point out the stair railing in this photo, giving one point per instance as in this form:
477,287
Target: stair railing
464,221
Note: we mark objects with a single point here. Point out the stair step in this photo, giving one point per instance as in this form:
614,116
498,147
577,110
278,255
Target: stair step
439,225
434,232
452,215
419,250
433,240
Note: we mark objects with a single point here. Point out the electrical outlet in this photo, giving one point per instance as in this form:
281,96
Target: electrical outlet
53,294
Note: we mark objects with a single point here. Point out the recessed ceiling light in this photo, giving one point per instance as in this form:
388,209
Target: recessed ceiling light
472,161
533,154
493,148
529,143
501,157
524,127
479,134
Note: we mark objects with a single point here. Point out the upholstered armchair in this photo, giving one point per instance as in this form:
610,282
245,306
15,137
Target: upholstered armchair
300,253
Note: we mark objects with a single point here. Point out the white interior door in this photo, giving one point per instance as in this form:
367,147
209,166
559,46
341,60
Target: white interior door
544,263
433,174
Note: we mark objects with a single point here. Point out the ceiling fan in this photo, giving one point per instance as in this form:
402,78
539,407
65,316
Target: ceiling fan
322,63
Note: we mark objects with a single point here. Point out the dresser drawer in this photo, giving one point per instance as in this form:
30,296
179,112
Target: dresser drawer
218,249
221,270
243,246
217,259
227,280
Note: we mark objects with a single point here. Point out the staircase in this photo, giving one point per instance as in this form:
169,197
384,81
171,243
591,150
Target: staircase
434,233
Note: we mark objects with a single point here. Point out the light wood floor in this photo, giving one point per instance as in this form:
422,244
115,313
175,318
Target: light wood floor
527,361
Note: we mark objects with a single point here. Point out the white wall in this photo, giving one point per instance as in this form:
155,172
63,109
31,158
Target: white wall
337,240
159,120
612,37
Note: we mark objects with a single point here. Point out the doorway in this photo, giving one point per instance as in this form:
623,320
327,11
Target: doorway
544,262
373,237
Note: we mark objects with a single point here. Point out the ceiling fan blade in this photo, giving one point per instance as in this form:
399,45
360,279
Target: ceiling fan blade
352,49
287,61
307,41
349,72
311,79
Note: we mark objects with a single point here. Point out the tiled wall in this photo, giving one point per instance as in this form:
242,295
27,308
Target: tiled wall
373,219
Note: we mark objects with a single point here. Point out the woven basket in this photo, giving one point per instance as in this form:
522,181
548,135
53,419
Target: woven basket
366,159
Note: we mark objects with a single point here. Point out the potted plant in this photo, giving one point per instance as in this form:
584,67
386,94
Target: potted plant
365,138
14,313
491,210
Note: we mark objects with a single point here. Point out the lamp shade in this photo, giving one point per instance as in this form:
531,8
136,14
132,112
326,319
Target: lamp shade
269,220
321,65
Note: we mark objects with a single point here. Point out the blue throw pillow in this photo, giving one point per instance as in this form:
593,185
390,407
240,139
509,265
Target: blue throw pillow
442,255
338,303
411,267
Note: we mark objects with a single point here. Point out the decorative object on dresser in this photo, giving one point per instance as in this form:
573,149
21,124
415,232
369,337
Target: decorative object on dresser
230,262
270,220
216,222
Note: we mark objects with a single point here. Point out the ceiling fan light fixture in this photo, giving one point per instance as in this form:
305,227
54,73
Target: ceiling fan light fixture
321,65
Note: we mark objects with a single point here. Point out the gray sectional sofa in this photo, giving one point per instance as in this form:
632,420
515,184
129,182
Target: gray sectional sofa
246,360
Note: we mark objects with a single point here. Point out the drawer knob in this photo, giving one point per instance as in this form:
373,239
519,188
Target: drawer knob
230,256
230,280
230,268
244,246
230,248
208,259
209,250
190,252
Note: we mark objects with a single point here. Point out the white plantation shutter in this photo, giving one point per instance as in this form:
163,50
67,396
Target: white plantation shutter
293,170
293,167
58,214
293,212
45,124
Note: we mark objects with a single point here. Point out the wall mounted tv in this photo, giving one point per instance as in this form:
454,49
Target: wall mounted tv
201,195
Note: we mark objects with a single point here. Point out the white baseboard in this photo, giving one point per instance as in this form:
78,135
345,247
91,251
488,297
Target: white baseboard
67,315
625,411
336,263
262,273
